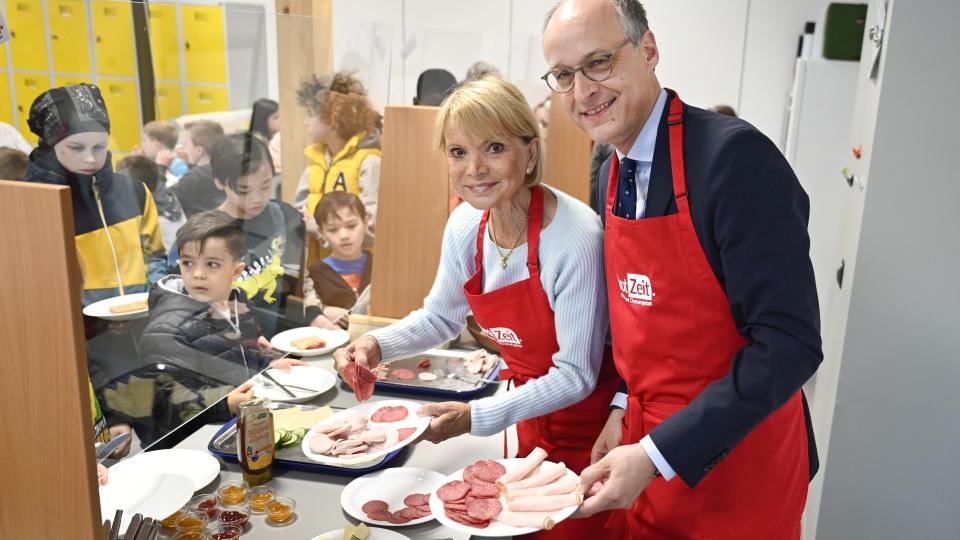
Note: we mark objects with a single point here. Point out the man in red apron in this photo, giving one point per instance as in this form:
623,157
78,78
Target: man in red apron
713,307
568,434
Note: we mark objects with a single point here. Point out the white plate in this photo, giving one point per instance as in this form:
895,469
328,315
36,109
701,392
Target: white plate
155,495
368,408
375,534
318,379
334,339
101,309
495,528
199,467
390,486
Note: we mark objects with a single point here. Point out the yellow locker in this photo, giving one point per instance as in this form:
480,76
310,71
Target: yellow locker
169,104
26,88
69,37
206,99
113,39
205,52
6,105
28,45
123,105
67,80
164,45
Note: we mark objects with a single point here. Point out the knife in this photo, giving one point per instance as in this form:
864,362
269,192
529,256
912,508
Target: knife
104,450
267,374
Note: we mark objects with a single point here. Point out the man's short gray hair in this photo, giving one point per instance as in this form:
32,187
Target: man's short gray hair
633,18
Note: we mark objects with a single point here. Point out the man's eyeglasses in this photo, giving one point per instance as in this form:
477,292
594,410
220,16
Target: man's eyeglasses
597,67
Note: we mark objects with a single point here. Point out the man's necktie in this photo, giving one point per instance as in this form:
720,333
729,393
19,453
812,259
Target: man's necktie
626,203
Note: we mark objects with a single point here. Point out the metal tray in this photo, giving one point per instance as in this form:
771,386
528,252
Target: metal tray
443,362
224,444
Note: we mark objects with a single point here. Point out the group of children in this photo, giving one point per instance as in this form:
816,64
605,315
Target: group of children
211,312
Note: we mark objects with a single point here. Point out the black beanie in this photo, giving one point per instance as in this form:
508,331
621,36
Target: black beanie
60,112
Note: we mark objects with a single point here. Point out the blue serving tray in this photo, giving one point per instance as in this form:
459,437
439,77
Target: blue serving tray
291,458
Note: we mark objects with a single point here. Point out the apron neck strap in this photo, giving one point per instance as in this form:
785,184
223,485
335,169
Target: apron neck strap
675,135
534,221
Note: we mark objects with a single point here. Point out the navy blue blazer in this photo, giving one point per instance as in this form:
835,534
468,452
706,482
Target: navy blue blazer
750,214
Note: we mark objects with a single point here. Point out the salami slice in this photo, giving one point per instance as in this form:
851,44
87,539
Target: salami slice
459,506
370,507
407,513
422,512
404,374
468,475
488,470
417,499
381,515
452,491
405,432
360,379
389,414
424,364
465,519
483,508
483,489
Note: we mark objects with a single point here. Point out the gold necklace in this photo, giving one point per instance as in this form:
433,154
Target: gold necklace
503,258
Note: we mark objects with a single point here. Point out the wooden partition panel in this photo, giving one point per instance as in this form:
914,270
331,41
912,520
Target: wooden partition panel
568,156
411,213
49,482
304,46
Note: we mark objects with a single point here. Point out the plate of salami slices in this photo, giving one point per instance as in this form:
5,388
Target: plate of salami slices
392,497
364,432
507,497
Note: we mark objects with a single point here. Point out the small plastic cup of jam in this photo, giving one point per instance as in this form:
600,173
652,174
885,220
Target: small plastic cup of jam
204,503
233,492
190,535
192,521
224,532
235,514
280,511
258,498
171,520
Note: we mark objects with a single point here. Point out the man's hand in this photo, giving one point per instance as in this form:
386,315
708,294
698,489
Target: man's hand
102,475
616,480
240,394
124,448
451,419
364,351
609,437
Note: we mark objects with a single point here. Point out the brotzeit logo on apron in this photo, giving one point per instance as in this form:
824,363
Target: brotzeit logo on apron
636,289
503,336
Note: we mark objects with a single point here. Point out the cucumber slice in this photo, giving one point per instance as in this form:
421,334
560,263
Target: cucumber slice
300,433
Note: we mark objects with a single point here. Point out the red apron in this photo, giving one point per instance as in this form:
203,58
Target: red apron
520,319
673,335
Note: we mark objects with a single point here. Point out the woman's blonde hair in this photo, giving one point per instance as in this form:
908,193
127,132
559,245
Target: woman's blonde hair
491,108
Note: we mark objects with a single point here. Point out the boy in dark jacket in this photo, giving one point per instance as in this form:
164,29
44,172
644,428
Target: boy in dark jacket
201,330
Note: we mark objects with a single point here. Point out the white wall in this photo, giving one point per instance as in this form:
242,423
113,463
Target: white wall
738,52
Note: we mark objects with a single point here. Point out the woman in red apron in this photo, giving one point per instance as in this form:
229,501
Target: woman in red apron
495,167
668,349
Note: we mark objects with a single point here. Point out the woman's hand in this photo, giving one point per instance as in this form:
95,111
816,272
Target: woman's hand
283,363
240,394
364,351
450,419
610,436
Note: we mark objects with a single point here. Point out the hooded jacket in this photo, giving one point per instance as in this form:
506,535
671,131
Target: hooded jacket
354,169
116,228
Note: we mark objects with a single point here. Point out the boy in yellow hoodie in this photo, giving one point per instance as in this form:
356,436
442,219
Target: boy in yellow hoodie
345,154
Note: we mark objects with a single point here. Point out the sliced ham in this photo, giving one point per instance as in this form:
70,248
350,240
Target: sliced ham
372,436
549,472
525,467
540,520
566,484
321,444
545,503
360,379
